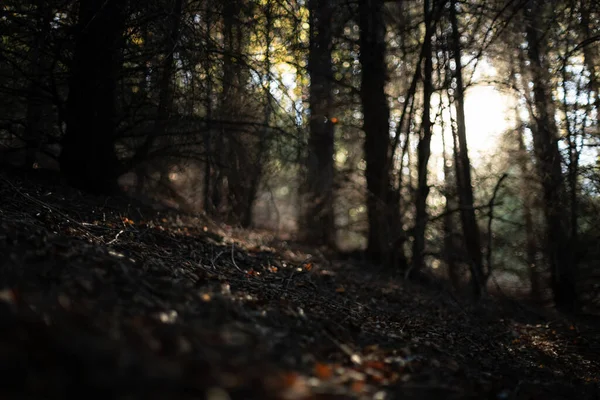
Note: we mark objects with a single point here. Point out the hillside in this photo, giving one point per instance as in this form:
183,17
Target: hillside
101,298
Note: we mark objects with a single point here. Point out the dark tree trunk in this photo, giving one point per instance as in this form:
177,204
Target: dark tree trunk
319,217
424,146
242,151
39,65
531,246
165,97
208,104
527,192
573,173
227,108
590,54
545,141
88,159
259,161
463,169
451,248
376,116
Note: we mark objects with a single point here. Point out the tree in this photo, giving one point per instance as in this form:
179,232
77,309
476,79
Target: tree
463,167
424,145
88,158
376,114
39,65
549,163
318,219
165,99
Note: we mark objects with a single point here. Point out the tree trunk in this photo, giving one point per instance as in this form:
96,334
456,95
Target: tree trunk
208,104
531,246
590,55
376,115
424,146
259,161
545,142
527,192
463,169
39,65
319,217
88,158
165,97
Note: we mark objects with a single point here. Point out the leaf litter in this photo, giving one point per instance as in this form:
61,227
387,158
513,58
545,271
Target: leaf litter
104,298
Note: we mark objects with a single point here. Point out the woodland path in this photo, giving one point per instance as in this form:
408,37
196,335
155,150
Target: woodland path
103,299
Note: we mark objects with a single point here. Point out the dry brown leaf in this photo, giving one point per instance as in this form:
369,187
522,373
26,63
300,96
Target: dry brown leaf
323,371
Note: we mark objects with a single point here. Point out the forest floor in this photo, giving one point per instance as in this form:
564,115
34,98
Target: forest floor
103,299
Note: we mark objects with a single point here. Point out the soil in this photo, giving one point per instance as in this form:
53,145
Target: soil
101,297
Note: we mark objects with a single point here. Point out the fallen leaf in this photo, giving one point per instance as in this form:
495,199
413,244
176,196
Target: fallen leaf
323,371
358,386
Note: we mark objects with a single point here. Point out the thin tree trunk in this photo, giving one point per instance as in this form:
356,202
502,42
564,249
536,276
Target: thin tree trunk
319,217
207,136
572,168
463,169
35,100
165,98
545,141
227,105
424,146
524,162
450,247
590,55
259,160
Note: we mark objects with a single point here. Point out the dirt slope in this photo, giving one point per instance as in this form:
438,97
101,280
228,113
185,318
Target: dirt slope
103,299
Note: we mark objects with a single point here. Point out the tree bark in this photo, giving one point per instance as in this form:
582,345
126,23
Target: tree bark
463,168
207,137
424,146
545,141
39,65
527,193
165,97
590,55
88,158
318,220
376,115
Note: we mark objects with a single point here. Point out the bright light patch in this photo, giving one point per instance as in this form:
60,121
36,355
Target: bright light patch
485,117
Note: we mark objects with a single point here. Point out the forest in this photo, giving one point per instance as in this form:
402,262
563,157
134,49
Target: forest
300,199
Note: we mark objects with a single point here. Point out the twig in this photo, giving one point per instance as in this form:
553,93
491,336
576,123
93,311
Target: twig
233,258
491,205
115,239
49,208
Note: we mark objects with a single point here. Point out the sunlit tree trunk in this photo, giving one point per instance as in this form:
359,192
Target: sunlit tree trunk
463,168
88,158
424,146
318,219
545,141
